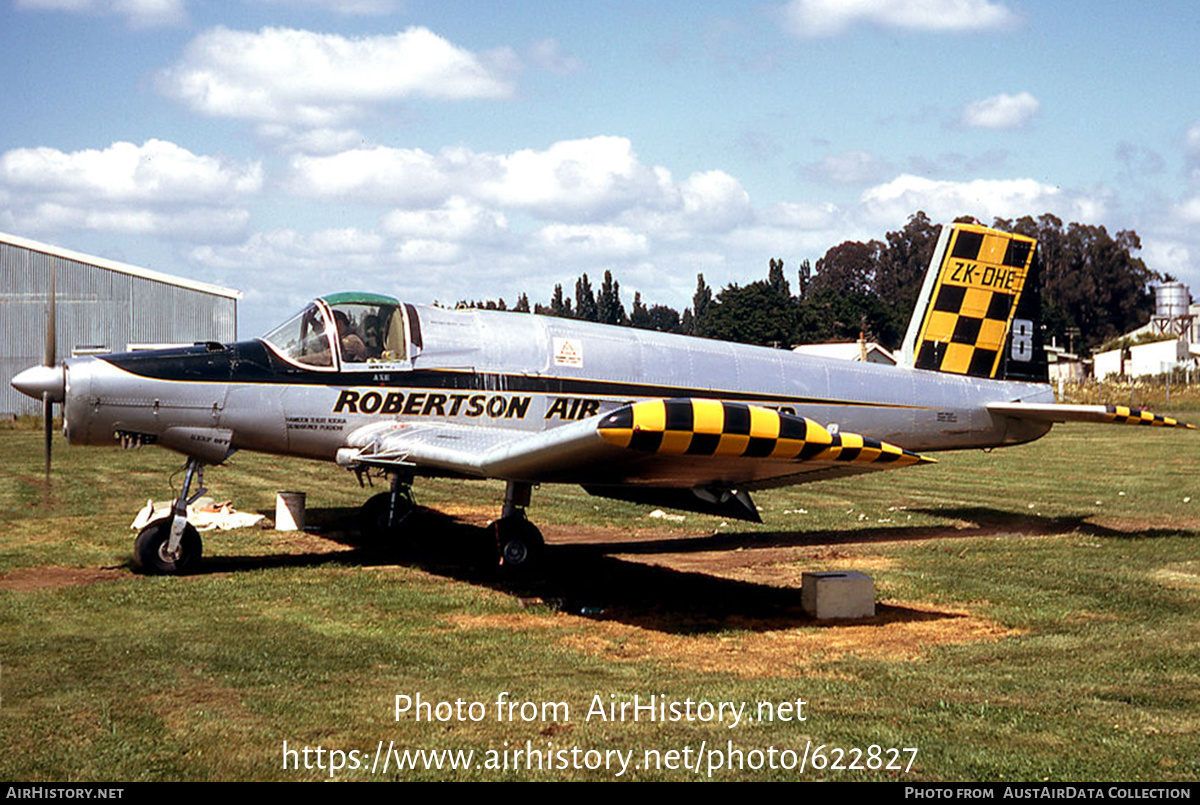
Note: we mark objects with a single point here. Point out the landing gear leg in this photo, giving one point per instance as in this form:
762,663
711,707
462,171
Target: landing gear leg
383,514
518,542
172,545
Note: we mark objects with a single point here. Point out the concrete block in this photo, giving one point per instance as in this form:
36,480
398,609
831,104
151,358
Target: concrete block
839,594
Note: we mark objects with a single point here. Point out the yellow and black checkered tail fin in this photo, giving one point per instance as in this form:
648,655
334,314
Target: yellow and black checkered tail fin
978,312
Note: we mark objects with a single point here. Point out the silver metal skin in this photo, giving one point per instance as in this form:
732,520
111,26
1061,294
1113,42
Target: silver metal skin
919,410
37,381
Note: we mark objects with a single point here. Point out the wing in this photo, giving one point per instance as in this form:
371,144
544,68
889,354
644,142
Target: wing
709,449
1118,414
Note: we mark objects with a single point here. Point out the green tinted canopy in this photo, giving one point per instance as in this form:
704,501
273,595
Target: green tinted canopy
359,298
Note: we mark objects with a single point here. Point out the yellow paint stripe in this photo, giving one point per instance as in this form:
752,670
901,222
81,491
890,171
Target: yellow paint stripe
764,423
732,444
676,442
708,416
650,415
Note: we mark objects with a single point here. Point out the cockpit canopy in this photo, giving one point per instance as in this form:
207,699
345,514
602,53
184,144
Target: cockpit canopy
347,329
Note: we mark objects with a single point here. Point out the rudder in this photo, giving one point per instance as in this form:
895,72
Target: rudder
979,308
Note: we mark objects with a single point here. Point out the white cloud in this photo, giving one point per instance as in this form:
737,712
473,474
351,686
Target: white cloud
422,252
590,241
548,55
577,180
155,188
382,175
283,75
589,179
848,167
288,251
456,220
791,215
310,141
1001,111
137,13
186,224
715,201
817,18
890,204
1168,255
154,171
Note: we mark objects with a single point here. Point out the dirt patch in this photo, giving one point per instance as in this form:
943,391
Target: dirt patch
899,633
50,577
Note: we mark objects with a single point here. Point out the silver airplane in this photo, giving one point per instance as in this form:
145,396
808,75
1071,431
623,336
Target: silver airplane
380,386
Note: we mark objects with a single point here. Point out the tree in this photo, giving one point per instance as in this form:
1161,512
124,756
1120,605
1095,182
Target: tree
702,302
775,279
585,300
762,312
899,275
609,309
558,306
639,316
665,319
804,277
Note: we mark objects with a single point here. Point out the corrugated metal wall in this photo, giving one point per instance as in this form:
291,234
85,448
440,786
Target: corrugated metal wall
97,308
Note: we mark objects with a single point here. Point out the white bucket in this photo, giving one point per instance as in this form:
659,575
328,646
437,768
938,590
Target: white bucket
289,511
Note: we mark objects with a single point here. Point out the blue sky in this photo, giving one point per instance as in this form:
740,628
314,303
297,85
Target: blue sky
443,150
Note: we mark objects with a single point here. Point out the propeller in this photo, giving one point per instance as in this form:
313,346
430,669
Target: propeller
47,399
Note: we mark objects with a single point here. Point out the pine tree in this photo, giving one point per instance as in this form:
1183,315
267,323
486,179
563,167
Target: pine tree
585,300
609,309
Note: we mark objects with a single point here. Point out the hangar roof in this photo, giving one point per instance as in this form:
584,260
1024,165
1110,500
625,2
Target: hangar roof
123,268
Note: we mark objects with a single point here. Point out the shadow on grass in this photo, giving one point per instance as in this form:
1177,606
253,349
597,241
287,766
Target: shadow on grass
584,579
966,522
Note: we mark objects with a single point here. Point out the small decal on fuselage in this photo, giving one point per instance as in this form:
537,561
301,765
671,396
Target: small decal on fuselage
314,423
431,403
568,352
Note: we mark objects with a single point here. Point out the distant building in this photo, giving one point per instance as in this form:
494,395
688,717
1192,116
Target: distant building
1145,360
101,306
1066,367
868,351
1174,323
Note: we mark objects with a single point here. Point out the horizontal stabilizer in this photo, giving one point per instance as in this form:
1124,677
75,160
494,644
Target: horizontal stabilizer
1118,414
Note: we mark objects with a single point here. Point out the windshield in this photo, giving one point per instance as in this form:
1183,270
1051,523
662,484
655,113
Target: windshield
370,332
302,338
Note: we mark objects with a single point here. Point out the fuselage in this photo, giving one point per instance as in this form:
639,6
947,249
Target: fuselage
508,370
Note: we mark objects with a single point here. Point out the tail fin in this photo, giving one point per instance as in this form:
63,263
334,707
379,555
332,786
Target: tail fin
979,308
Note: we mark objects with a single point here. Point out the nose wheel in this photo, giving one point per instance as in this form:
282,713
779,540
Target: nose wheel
171,545
152,552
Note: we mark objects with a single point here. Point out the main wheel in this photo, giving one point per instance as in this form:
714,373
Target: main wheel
518,543
150,549
373,517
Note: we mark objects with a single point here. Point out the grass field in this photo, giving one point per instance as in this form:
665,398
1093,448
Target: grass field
1039,619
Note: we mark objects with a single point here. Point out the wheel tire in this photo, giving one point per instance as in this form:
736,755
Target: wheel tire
373,516
519,544
149,549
